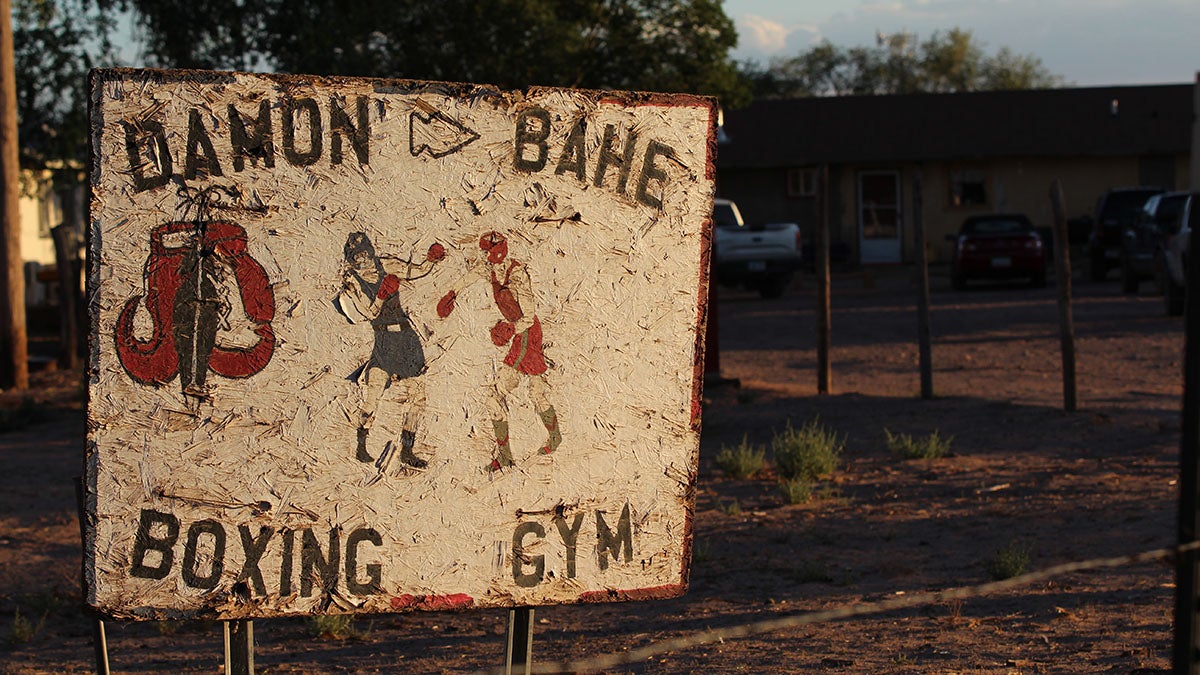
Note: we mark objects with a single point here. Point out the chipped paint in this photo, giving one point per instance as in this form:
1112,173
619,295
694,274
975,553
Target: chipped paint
383,345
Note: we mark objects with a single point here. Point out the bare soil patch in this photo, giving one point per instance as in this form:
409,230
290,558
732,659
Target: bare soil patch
1023,474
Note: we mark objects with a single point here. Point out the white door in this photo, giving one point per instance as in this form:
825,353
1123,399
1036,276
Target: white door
879,221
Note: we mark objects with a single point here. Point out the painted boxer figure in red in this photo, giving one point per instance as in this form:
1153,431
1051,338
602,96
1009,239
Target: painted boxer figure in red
520,331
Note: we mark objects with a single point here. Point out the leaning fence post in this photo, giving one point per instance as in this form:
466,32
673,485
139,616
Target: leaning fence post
1062,273
1187,565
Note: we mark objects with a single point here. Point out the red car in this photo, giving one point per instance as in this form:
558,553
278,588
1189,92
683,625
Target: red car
998,246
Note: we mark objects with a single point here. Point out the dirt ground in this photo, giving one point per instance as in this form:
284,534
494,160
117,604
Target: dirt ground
1022,476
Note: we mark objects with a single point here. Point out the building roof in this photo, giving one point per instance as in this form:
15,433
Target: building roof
1077,122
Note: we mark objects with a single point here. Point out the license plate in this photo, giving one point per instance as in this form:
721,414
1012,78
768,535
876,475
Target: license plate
757,266
1112,255
1002,263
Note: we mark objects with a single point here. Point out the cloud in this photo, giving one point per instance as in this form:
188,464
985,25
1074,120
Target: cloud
762,34
759,37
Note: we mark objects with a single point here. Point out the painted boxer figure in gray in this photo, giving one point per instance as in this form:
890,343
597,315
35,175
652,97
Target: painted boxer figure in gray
371,293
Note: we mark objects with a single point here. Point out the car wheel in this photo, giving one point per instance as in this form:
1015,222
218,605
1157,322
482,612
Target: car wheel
959,281
1098,269
773,287
1173,296
1039,280
1129,280
1160,274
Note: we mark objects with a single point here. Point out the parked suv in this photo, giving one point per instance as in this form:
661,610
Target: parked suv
1173,259
1142,240
1116,210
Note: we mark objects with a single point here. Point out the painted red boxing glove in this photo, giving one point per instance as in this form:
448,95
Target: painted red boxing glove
446,304
389,286
436,253
502,332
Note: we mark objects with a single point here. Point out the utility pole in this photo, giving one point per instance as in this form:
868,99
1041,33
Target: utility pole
14,347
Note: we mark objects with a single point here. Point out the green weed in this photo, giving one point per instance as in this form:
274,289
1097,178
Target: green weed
809,572
23,629
333,627
732,508
810,452
742,461
1010,561
796,490
904,446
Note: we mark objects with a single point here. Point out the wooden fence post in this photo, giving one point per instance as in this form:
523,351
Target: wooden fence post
824,374
924,338
66,259
1062,255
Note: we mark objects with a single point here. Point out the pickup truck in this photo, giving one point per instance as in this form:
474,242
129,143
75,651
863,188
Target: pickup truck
762,258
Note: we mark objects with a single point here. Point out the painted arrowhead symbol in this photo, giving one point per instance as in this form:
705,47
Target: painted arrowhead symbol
433,132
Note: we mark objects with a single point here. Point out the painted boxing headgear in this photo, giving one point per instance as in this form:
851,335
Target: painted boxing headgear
496,246
357,242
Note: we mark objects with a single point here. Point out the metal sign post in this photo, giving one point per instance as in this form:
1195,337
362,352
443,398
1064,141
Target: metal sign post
239,647
519,652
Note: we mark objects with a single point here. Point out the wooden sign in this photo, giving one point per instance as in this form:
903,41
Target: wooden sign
376,345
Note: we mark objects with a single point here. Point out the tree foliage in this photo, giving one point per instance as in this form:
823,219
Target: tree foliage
899,63
660,45
55,42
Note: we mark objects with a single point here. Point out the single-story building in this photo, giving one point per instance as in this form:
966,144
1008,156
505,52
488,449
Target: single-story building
974,153
43,206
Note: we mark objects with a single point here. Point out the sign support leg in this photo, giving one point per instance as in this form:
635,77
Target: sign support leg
239,647
100,645
99,637
519,653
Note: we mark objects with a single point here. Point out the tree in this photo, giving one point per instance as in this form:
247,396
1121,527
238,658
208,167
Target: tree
56,42
659,45
899,64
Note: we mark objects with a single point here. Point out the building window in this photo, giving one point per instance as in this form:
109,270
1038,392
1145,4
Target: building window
968,187
49,209
801,182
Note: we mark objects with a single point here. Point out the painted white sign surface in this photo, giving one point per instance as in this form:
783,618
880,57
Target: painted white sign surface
369,345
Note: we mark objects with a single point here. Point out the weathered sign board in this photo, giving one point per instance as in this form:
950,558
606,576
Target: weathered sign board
378,345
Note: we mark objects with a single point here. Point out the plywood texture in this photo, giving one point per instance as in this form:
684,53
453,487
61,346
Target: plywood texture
367,346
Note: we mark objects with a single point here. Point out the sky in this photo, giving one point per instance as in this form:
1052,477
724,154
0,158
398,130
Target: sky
1087,42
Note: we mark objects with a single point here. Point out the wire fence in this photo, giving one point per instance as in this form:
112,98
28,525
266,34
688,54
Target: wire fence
899,602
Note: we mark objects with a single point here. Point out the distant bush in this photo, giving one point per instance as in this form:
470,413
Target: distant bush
1010,561
23,629
742,461
26,413
810,452
904,446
